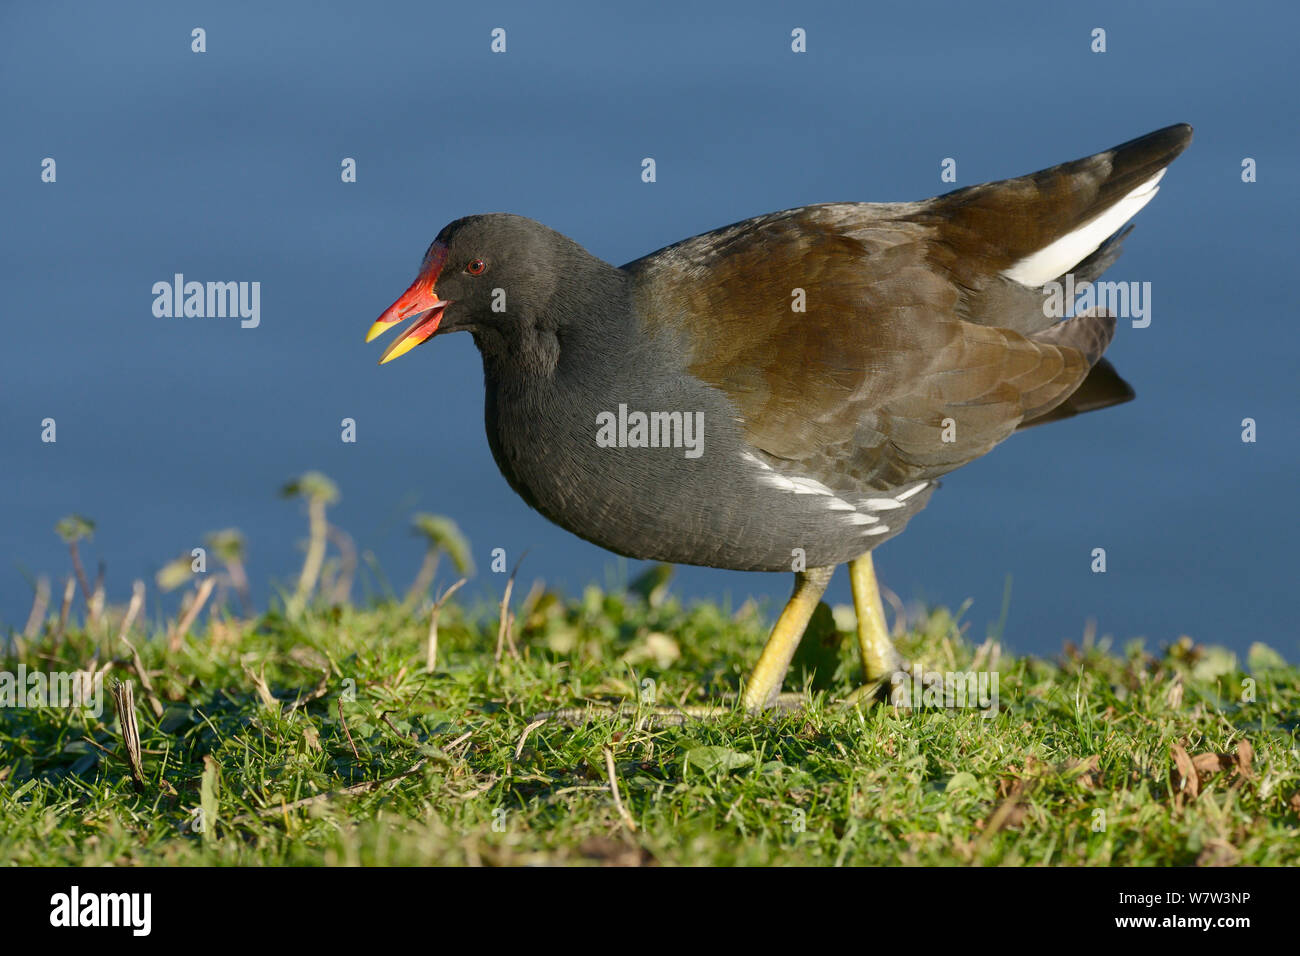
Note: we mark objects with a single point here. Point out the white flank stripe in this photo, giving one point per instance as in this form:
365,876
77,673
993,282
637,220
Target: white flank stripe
1067,252
880,529
882,504
809,486
903,496
863,519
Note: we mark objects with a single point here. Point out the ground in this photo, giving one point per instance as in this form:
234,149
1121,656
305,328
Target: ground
321,739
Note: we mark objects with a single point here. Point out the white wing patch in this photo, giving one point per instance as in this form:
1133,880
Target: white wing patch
1072,248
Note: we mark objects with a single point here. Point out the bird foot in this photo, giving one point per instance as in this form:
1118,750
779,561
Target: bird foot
872,692
880,690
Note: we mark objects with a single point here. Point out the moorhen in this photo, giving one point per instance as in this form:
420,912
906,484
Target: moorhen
783,393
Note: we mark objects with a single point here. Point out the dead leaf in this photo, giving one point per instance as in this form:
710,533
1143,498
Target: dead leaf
310,737
1174,696
263,691
1208,764
1183,777
1086,768
1012,811
1245,759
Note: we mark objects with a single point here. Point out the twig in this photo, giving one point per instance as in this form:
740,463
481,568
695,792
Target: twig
183,625
81,573
458,741
69,590
108,753
900,612
503,629
311,565
423,578
132,609
138,666
530,600
96,601
320,691
40,604
384,717
342,591
1004,814
344,721
613,788
239,579
431,651
519,748
124,702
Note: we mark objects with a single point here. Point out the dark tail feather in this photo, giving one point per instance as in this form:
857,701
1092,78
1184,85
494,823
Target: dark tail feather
1091,268
994,226
1100,389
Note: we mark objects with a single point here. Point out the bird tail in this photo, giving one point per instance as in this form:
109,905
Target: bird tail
1036,228
1102,388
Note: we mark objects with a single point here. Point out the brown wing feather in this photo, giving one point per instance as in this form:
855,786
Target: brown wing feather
859,388
915,354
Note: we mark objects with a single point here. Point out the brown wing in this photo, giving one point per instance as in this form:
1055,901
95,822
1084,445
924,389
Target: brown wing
878,382
913,353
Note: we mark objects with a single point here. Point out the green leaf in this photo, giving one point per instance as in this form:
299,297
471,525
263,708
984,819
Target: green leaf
1215,662
175,573
227,544
74,528
717,758
312,485
1261,659
961,781
443,534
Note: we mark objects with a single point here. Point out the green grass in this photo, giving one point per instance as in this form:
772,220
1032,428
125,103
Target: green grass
1074,769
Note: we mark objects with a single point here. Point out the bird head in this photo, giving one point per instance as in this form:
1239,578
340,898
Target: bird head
494,275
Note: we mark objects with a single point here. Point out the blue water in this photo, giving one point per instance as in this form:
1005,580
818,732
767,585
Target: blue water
225,166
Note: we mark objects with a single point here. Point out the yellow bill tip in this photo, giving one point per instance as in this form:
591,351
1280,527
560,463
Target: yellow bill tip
378,329
399,348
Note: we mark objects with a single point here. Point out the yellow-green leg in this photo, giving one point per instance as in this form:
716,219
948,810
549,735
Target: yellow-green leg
764,684
880,659
763,689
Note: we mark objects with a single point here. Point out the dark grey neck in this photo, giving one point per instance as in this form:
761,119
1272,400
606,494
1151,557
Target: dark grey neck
547,374
585,323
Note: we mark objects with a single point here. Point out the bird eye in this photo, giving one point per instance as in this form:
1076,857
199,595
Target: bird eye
475,267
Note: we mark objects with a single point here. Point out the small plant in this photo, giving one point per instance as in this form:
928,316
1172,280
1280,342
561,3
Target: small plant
73,529
319,492
228,546
441,536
